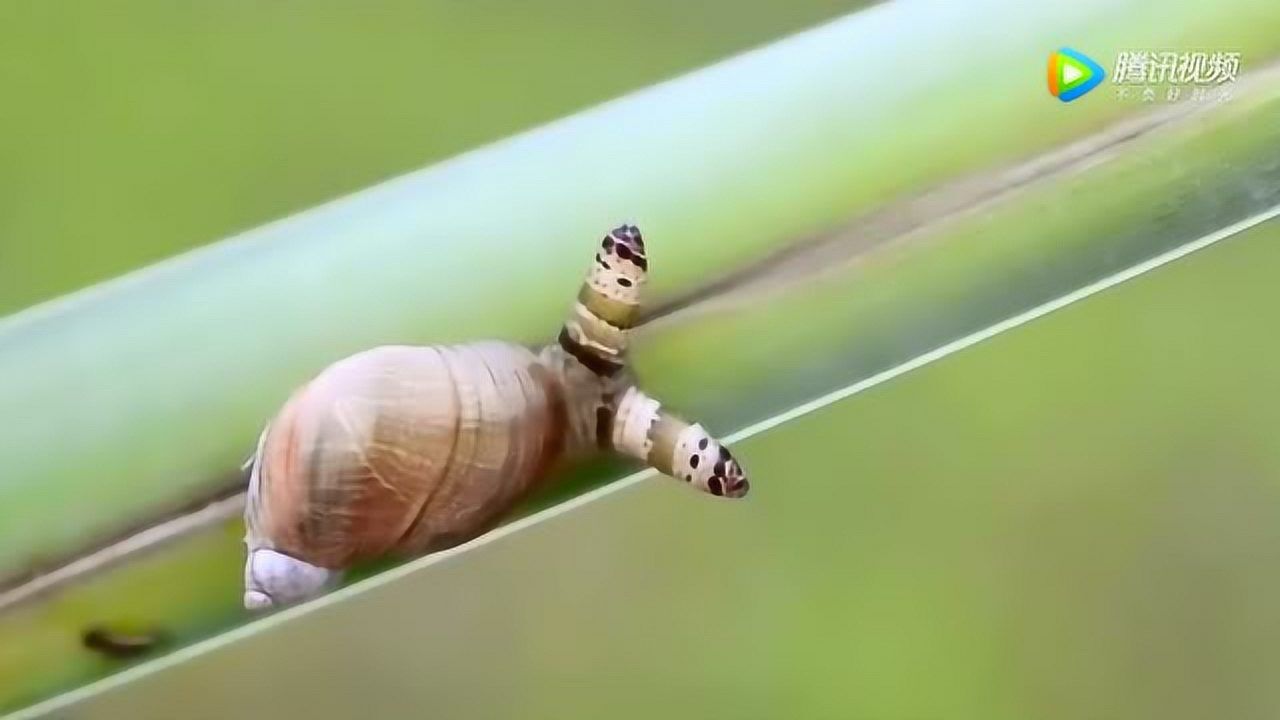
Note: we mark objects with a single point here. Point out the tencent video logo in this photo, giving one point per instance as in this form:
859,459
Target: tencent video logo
1073,74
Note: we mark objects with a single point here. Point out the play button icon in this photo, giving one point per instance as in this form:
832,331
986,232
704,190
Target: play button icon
1073,74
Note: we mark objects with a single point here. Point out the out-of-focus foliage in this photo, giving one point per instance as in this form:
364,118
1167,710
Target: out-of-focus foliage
133,130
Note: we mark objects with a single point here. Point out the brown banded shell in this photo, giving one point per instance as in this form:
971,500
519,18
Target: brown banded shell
406,450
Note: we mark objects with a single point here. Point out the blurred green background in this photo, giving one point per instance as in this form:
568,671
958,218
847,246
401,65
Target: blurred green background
133,130
1028,530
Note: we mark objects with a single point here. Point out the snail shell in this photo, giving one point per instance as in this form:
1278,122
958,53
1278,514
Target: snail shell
406,450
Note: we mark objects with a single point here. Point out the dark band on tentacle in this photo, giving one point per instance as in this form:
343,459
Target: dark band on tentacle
604,422
617,314
664,434
593,362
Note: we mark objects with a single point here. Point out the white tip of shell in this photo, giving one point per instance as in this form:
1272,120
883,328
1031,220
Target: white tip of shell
254,600
273,578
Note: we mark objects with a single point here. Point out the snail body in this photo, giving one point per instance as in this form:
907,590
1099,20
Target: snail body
408,450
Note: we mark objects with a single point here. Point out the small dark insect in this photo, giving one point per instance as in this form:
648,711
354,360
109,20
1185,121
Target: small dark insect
120,645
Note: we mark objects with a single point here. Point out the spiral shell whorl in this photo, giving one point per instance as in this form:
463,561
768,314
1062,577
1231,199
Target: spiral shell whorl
405,449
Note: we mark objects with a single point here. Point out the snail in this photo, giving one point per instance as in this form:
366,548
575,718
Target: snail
407,450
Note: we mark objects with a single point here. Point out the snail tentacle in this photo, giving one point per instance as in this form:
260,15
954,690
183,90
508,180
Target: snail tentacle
675,447
608,303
